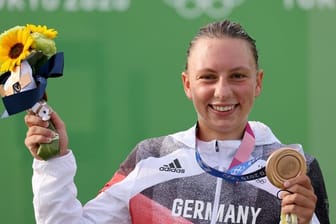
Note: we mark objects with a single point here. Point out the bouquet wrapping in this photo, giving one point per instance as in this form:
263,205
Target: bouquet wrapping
28,58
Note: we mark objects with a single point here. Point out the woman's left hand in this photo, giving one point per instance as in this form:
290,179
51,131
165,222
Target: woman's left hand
300,198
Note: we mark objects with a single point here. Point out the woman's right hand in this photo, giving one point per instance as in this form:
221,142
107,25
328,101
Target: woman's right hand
38,132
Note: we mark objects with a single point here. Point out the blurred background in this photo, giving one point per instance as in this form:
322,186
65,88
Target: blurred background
122,81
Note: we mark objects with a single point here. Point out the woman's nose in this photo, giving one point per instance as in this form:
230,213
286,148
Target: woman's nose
223,89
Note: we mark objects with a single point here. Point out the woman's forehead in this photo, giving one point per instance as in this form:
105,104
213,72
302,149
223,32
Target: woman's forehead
205,43
221,52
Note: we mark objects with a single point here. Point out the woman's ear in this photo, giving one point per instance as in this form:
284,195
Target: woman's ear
186,84
260,76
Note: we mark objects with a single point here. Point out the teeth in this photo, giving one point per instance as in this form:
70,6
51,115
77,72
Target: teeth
223,108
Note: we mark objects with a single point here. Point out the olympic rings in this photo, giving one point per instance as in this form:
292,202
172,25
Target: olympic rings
191,9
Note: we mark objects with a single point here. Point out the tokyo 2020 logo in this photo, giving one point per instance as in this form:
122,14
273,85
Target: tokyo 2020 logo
191,9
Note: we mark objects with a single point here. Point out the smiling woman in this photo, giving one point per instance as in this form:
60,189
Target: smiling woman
174,178
223,87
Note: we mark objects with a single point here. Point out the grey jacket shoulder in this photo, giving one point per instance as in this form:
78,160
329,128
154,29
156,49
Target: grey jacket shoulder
151,147
156,147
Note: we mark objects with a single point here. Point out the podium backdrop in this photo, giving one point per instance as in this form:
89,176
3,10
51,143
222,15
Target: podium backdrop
122,83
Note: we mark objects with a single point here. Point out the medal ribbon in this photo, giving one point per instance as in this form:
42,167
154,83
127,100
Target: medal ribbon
239,162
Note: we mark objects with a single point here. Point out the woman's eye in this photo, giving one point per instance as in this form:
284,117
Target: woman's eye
238,76
208,77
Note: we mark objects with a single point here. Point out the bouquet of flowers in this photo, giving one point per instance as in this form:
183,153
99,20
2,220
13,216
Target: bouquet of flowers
28,58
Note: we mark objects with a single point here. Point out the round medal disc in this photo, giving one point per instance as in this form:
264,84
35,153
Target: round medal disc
284,164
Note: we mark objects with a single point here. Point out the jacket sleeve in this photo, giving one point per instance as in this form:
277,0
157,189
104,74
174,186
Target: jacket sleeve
322,205
55,197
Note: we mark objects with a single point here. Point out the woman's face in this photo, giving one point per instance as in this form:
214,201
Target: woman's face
222,81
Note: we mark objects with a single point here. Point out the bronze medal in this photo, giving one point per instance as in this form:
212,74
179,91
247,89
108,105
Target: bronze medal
284,164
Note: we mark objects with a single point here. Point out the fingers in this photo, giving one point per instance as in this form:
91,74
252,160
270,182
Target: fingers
33,120
301,180
38,132
300,198
56,120
301,186
61,130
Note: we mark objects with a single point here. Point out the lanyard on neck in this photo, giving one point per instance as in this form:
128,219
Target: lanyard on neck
246,147
239,162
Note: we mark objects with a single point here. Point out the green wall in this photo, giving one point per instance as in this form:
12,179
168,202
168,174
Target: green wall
121,83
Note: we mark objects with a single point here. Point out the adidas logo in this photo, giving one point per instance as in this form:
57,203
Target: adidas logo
174,166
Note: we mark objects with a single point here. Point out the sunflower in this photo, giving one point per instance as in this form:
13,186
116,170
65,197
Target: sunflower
49,33
15,46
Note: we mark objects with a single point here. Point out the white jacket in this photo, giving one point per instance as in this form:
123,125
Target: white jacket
161,182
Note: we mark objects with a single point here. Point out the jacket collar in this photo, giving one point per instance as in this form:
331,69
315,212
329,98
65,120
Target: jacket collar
262,133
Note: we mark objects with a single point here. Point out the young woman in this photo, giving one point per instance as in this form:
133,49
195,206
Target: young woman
187,177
